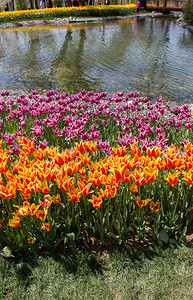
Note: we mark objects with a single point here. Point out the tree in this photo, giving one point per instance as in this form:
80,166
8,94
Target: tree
69,2
20,4
31,4
36,4
164,5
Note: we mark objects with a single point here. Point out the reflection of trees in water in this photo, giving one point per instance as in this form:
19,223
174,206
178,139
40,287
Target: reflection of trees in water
32,56
74,71
67,67
12,61
152,40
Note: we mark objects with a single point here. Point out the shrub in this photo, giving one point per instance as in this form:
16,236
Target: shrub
188,12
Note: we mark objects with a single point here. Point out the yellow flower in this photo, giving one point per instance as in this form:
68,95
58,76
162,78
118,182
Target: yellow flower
46,226
33,209
133,188
30,240
172,179
154,207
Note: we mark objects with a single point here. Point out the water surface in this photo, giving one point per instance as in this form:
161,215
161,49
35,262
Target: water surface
151,55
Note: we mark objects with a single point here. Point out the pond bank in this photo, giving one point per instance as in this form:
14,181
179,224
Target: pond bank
183,24
66,21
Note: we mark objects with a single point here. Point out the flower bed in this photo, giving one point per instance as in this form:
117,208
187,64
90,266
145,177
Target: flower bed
61,12
86,167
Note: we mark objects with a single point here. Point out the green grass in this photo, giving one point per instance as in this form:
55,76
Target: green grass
147,274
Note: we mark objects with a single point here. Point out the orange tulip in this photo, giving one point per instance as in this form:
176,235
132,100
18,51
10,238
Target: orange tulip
85,160
7,192
135,149
47,201
95,177
118,172
139,178
162,164
150,173
154,207
127,177
3,167
52,153
28,175
56,199
119,151
102,193
44,170
46,226
26,144
4,156
180,164
189,149
188,177
40,154
61,159
31,240
41,214
81,147
172,152
110,191
85,189
110,179
172,179
104,168
82,171
25,188
189,162
65,183
14,222
172,156
84,179
72,169
44,187
22,211
133,188
96,201
137,162
90,146
33,209
142,203
57,170
74,195
154,152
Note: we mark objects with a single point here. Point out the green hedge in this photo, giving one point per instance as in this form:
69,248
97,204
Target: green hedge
188,12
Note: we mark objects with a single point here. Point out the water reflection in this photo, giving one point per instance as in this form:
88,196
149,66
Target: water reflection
153,56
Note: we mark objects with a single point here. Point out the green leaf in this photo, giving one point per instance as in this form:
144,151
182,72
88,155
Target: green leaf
173,241
163,236
71,237
6,252
112,235
183,235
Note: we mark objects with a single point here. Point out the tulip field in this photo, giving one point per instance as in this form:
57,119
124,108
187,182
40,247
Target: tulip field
86,168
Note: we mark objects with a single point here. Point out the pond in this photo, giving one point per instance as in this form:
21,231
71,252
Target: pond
150,55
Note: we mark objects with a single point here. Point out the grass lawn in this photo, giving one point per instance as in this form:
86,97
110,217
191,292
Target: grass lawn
148,274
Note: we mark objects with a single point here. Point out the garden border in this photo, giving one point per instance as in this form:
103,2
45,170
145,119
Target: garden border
67,21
